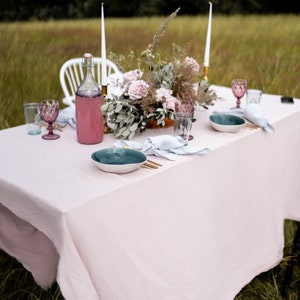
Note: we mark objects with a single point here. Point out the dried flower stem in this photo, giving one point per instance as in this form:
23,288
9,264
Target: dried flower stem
161,30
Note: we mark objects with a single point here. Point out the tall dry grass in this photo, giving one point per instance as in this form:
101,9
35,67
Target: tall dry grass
263,49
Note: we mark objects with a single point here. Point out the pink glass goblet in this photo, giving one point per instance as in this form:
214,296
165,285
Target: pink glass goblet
239,88
184,114
49,110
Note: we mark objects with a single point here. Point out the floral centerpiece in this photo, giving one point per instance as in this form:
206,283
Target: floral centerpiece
150,92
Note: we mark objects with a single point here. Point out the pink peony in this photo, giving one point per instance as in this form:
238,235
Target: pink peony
130,77
162,94
165,95
171,102
138,89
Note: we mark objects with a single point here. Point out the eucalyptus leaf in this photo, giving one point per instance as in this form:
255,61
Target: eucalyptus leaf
126,132
122,129
133,127
118,108
104,107
122,117
131,135
131,119
117,133
110,107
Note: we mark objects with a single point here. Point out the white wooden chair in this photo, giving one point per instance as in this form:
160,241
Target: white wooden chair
71,75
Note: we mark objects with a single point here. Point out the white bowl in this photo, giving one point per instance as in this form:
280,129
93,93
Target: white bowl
118,160
226,122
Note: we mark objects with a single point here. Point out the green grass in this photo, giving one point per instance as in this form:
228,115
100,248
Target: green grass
16,283
263,49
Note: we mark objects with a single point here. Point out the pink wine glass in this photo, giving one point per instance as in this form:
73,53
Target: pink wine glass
49,110
239,88
184,114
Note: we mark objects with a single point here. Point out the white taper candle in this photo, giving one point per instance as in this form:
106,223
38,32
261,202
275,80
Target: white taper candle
103,50
207,46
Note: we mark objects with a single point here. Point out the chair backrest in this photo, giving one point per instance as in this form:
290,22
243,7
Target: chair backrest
71,75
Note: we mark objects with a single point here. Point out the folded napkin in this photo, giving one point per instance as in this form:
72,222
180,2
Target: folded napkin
67,116
252,113
164,145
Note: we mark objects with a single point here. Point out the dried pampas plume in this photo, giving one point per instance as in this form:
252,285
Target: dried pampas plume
162,29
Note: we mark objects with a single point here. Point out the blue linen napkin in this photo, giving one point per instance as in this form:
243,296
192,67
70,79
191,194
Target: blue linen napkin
163,145
67,116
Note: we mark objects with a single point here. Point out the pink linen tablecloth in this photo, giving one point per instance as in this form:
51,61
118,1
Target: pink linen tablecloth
200,227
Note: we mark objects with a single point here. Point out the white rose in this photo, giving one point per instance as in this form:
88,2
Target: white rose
115,82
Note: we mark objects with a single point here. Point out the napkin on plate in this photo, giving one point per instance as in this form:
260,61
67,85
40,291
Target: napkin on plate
163,145
67,116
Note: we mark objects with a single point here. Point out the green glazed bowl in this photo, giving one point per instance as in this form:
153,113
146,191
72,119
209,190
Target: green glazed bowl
118,160
226,123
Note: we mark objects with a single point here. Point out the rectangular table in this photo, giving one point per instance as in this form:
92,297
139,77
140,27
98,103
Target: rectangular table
199,227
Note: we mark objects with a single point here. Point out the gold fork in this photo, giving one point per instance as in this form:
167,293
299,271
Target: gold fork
150,164
251,126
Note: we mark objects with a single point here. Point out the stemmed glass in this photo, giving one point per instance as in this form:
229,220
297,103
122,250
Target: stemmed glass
184,114
239,88
49,110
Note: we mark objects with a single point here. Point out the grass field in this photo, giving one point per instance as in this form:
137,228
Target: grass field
263,49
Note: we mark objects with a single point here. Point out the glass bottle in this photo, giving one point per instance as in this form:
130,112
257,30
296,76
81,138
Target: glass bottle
88,101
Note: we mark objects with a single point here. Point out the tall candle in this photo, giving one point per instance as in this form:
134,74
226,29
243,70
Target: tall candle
207,46
103,50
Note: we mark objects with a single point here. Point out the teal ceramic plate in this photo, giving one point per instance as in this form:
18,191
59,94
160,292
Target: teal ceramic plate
118,160
226,123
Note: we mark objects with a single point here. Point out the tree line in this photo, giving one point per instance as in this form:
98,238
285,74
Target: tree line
24,10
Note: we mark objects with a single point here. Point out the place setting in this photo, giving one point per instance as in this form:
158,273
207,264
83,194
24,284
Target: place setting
43,113
237,117
122,160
